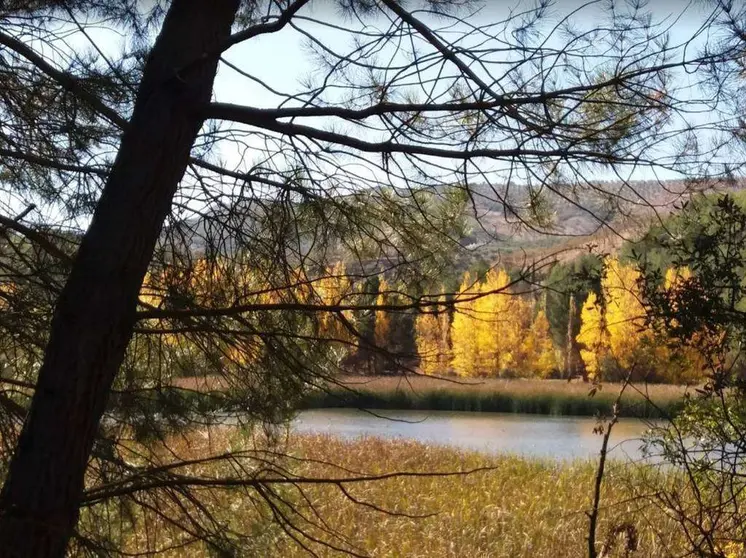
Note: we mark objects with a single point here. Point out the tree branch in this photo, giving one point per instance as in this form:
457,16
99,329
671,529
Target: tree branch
36,237
282,20
258,118
66,80
98,495
51,163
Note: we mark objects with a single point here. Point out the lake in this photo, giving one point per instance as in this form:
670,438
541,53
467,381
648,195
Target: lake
526,435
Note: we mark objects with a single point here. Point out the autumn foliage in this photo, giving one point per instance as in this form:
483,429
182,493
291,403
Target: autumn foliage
500,330
488,328
618,339
494,332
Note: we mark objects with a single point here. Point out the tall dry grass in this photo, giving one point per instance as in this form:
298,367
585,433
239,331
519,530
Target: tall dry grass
545,397
513,507
518,508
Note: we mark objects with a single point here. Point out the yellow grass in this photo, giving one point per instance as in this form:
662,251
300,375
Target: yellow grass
517,508
521,508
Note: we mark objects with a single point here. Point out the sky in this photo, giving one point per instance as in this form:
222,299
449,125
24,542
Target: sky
281,59
284,60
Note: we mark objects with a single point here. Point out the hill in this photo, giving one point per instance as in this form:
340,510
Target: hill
512,224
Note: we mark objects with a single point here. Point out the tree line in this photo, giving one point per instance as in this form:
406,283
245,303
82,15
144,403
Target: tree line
498,327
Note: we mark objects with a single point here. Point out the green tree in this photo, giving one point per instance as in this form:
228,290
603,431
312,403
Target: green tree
698,305
568,286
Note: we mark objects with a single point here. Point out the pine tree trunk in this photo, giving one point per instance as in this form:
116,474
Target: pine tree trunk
95,313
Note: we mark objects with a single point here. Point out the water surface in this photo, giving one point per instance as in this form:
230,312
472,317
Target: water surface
496,433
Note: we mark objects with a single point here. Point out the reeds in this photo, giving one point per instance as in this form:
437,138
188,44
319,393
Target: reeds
546,397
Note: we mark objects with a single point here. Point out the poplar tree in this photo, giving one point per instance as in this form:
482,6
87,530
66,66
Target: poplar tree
538,354
625,314
495,324
593,337
444,326
382,327
463,339
429,341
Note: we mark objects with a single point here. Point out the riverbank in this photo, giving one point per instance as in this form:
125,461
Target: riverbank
545,397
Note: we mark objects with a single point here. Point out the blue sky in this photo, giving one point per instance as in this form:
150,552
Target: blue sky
281,59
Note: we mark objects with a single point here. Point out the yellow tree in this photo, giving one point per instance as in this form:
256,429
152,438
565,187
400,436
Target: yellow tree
621,331
334,288
432,337
382,327
593,337
208,282
153,293
538,355
150,292
444,325
495,328
428,338
463,339
625,314
6,289
515,327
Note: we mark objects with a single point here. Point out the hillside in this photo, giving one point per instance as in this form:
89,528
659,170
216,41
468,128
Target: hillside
498,223
603,219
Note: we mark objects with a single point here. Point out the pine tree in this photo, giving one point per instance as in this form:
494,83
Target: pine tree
125,142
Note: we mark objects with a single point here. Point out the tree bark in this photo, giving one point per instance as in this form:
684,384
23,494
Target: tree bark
95,314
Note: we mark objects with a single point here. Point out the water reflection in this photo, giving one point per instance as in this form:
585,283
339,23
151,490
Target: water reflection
527,435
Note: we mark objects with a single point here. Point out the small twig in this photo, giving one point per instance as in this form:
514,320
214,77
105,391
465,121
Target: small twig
25,212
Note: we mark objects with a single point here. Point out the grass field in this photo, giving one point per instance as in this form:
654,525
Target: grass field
520,508
513,508
548,397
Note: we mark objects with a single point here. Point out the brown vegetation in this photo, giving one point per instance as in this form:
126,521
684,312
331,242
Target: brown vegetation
509,507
